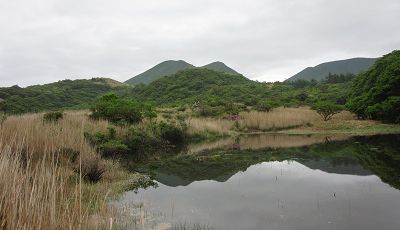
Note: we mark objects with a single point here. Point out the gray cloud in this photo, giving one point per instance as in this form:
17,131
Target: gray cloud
48,40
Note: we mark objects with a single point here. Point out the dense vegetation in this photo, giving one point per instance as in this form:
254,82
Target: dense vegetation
217,89
55,96
121,111
376,93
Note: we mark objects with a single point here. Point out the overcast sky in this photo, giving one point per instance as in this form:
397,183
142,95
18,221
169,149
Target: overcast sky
43,41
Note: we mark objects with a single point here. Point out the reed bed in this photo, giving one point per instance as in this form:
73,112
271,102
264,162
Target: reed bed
41,188
279,118
198,125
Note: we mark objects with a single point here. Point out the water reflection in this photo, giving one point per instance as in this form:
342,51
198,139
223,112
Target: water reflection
263,141
346,183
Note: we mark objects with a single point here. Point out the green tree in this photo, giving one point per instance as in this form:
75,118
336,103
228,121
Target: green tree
327,109
376,93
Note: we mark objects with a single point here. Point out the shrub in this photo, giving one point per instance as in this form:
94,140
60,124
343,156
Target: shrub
92,168
172,133
120,111
53,116
264,106
327,109
113,148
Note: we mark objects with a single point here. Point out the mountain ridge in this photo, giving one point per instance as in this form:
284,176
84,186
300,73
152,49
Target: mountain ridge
171,67
345,66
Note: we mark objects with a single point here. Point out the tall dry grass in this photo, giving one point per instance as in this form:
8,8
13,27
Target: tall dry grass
197,125
278,118
40,187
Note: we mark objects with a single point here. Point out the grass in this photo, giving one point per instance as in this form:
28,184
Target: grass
43,167
301,120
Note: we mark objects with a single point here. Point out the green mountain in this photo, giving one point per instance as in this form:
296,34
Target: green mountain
376,93
165,68
189,85
59,95
220,67
348,66
219,89
168,68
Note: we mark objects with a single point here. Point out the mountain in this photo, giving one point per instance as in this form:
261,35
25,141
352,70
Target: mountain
220,67
58,95
165,68
348,66
168,68
196,84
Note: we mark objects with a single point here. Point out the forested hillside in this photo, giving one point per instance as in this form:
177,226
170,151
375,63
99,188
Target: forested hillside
376,93
215,88
54,96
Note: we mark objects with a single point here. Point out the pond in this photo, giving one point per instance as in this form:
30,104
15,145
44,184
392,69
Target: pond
278,182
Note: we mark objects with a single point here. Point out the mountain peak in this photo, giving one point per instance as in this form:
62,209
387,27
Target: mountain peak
220,66
170,67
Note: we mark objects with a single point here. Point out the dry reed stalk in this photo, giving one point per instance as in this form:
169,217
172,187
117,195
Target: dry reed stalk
208,124
278,118
39,191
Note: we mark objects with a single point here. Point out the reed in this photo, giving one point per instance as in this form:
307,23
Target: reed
41,187
279,118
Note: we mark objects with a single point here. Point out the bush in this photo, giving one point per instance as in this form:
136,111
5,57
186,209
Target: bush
113,148
327,109
264,106
92,168
53,116
120,111
172,133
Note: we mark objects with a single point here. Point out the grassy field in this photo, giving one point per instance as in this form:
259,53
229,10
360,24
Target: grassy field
301,120
51,178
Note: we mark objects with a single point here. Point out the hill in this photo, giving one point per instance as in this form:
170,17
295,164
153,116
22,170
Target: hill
165,68
348,66
220,67
188,86
54,96
168,68
376,93
222,89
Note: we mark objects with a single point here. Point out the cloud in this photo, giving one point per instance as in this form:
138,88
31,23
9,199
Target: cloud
48,40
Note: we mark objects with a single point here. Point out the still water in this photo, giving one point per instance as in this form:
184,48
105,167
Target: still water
321,183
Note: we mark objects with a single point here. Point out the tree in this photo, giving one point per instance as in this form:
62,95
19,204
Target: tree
327,109
375,93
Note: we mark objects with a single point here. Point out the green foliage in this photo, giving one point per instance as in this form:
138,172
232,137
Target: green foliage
77,94
53,116
327,109
121,111
338,78
375,94
173,133
113,148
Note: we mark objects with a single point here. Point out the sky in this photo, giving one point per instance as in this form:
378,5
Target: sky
43,41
